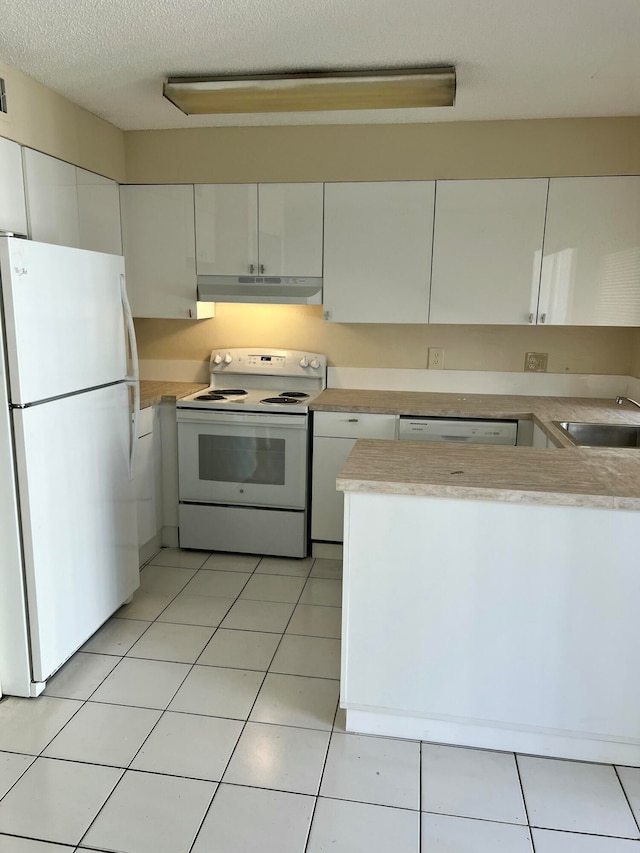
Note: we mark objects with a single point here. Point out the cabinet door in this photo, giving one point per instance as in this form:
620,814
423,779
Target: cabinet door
13,211
159,248
227,229
52,199
487,251
327,503
377,251
591,266
290,229
99,213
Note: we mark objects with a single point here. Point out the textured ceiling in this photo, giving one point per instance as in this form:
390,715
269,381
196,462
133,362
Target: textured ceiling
514,58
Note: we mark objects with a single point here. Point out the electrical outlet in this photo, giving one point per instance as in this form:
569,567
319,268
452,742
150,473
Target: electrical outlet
536,362
435,358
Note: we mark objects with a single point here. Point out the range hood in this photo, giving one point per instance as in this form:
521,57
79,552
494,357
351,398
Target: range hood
262,289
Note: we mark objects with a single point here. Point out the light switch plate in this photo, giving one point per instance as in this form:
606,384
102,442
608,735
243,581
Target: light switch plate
536,362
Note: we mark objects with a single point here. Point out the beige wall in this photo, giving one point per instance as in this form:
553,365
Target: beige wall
635,356
485,149
387,152
40,118
571,350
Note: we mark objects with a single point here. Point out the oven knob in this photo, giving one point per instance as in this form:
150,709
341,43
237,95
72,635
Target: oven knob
315,364
228,358
217,359
304,362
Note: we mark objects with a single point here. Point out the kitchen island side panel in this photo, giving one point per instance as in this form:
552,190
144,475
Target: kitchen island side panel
488,614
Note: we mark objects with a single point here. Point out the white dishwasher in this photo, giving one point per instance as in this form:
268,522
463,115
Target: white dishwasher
458,430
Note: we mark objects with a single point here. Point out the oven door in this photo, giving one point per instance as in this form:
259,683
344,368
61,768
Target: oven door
242,458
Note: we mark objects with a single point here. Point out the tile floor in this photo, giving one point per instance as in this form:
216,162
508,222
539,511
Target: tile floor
204,718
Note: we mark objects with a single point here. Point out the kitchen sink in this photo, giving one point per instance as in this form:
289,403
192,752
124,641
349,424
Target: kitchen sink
600,435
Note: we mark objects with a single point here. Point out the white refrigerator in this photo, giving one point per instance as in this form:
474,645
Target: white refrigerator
68,538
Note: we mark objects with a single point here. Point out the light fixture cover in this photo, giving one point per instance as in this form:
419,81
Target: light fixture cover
344,90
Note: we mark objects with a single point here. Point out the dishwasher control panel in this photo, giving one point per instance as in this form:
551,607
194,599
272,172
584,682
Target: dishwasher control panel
458,430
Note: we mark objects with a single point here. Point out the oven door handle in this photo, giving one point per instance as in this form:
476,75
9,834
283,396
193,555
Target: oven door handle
189,416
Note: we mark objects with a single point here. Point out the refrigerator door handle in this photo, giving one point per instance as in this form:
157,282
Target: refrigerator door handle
132,380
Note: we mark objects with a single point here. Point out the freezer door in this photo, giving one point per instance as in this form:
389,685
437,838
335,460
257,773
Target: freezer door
78,512
63,317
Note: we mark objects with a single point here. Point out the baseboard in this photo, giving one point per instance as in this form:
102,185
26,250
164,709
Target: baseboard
146,551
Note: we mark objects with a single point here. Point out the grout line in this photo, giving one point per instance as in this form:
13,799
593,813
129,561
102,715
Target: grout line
420,799
626,796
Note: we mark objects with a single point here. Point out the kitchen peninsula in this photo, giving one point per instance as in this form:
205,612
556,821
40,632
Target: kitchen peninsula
490,593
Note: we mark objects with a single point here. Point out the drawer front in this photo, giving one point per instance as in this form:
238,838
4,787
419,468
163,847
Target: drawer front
354,425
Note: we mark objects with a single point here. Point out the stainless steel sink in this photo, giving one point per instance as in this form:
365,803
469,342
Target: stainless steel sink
600,435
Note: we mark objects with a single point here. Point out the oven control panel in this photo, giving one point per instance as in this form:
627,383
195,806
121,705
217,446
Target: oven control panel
277,361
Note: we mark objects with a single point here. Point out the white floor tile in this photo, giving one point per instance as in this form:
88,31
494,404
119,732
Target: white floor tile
548,841
27,725
148,813
146,605
314,621
270,616
240,649
167,641
293,700
279,757
630,778
80,676
344,827
116,636
218,692
273,588
232,562
13,844
56,800
252,820
206,610
327,569
179,558
313,656
167,579
144,683
12,766
576,797
189,745
471,783
322,591
445,834
103,734
382,771
285,566
217,583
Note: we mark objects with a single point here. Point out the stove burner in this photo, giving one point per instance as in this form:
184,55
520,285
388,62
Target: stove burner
231,391
210,396
283,398
299,395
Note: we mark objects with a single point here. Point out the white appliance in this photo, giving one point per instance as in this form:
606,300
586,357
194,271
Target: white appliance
68,535
460,430
243,453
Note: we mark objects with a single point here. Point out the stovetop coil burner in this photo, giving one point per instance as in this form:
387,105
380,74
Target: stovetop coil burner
211,396
231,392
299,395
282,399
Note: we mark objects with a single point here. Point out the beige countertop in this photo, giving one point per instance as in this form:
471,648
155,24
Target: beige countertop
564,475
152,392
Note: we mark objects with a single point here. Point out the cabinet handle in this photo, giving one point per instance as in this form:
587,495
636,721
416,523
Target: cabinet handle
531,318
252,268
352,420
261,269
543,318
190,313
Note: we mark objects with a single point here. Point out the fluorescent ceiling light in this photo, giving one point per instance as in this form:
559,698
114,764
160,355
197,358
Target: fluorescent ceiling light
284,93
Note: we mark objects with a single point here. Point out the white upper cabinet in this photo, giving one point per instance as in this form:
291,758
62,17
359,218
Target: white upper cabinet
487,251
377,251
13,211
158,236
259,229
290,229
591,266
52,199
99,213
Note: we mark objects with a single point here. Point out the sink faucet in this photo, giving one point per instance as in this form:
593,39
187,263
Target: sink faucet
620,401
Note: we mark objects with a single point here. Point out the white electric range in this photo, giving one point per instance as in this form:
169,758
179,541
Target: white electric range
243,452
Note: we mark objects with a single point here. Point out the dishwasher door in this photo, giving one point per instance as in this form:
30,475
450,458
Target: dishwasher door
459,430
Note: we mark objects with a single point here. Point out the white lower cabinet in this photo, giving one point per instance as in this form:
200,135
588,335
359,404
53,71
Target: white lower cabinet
334,434
148,477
